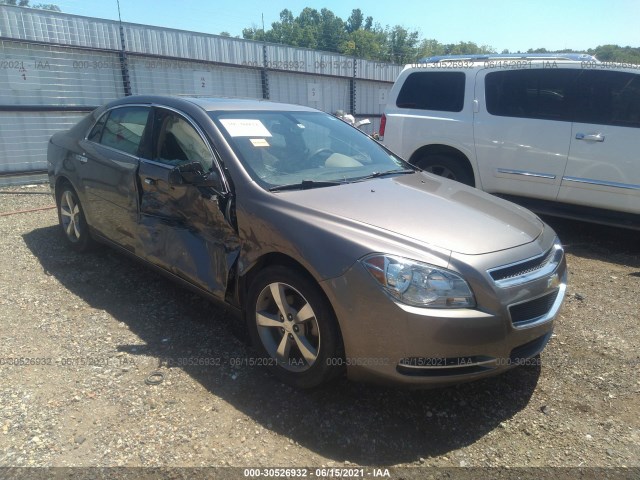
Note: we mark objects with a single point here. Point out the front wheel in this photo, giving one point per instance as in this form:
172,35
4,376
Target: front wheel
72,220
292,326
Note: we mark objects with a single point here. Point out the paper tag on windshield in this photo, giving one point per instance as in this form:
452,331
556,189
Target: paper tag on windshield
238,127
259,142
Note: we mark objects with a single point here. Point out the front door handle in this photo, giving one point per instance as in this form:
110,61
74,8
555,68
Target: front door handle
149,181
595,137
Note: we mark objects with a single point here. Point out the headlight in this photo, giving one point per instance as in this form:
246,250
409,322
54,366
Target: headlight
419,284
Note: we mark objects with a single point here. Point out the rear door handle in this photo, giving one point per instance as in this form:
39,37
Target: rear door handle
595,137
81,158
149,181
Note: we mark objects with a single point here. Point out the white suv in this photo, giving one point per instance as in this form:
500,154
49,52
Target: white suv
559,134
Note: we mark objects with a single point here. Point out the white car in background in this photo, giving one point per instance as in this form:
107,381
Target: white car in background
559,134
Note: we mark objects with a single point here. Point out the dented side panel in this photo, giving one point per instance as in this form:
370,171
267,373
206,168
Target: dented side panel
184,229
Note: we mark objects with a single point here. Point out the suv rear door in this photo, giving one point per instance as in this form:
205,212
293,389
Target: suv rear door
603,169
522,128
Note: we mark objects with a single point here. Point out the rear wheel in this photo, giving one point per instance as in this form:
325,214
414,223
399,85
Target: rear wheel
293,327
447,167
72,220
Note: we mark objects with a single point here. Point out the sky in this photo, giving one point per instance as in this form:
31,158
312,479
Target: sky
515,25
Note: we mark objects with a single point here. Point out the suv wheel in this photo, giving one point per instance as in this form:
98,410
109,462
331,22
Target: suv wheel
447,167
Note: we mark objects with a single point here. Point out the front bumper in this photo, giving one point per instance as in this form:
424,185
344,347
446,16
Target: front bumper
392,343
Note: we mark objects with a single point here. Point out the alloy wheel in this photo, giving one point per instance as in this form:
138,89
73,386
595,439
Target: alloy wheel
70,216
288,327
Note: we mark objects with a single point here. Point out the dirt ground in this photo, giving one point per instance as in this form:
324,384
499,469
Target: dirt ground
89,329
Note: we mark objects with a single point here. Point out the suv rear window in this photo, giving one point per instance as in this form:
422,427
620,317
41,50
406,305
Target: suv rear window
543,94
440,91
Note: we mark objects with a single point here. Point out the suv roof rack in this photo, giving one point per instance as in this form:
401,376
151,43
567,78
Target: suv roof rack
576,57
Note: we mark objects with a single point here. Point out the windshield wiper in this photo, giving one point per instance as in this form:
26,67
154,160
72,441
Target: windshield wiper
384,174
305,185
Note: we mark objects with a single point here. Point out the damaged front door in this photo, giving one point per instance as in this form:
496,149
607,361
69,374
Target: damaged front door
184,224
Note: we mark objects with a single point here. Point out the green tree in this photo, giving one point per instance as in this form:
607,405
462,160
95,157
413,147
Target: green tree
285,31
332,32
364,44
355,20
430,48
309,18
309,21
253,33
368,23
616,53
359,36
401,45
323,30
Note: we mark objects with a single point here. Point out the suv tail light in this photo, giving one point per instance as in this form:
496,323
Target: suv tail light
383,124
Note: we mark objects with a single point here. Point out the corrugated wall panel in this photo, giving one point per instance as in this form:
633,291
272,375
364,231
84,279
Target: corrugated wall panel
42,75
371,97
190,45
370,70
310,61
24,137
54,27
324,93
151,75
50,76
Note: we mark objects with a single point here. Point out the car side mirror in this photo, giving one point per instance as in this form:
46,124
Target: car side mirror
190,172
193,173
211,180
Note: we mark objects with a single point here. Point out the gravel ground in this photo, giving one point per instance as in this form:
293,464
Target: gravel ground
101,323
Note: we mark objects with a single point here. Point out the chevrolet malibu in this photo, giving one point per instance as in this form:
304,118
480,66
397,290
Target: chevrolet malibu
337,255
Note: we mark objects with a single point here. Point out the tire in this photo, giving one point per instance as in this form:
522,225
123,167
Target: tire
293,328
73,223
447,167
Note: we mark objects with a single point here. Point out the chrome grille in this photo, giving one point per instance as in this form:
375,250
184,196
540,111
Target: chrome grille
528,269
523,268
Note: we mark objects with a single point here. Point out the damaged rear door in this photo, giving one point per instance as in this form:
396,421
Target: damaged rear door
185,225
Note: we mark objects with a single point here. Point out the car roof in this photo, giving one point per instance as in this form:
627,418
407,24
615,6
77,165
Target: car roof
211,104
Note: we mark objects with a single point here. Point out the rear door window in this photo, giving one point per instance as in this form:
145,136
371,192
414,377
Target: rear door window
439,91
124,128
538,93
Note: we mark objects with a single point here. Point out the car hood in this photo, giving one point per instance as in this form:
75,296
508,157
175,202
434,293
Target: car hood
429,209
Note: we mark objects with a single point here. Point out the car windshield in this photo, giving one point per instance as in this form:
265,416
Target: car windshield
285,150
